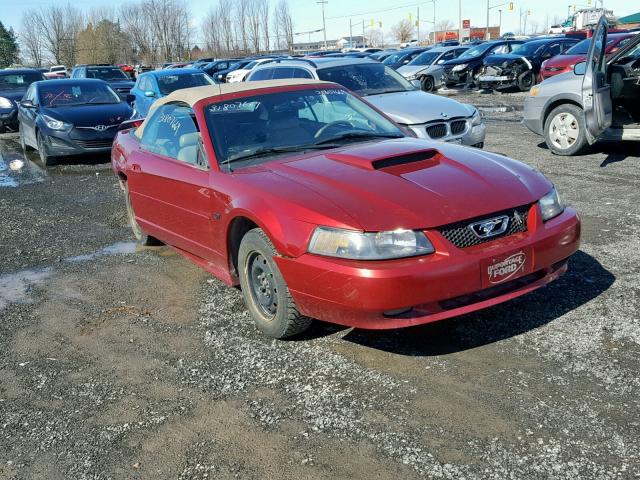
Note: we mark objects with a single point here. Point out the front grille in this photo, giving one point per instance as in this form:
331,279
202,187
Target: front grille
94,143
438,130
458,126
462,236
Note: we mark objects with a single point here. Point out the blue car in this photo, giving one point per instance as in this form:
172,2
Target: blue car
159,83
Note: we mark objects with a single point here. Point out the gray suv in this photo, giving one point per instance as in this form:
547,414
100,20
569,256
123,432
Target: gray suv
428,116
598,100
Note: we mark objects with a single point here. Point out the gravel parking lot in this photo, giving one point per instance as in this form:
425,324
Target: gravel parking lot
121,362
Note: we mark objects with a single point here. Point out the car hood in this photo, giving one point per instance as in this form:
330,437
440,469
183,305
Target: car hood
415,106
403,183
407,70
14,95
564,60
91,115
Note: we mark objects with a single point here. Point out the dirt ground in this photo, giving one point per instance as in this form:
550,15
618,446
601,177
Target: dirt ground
121,362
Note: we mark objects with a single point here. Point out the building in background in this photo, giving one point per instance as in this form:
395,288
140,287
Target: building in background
473,33
630,21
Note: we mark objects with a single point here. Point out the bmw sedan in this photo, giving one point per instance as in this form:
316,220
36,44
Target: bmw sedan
318,206
70,117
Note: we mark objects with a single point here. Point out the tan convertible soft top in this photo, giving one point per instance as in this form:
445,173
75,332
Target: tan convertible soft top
191,96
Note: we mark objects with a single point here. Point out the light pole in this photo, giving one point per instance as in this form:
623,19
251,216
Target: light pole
324,26
500,22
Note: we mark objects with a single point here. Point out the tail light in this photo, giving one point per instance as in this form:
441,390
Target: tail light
135,123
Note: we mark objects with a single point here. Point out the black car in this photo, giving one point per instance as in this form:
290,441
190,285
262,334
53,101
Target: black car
70,117
212,68
466,68
221,75
13,86
402,57
520,68
111,74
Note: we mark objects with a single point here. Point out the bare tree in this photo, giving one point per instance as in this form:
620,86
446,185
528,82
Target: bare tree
444,25
254,23
265,10
283,25
375,38
402,31
31,39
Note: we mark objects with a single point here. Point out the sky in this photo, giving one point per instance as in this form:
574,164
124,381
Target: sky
307,14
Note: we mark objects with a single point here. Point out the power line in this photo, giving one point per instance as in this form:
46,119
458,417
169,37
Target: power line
376,11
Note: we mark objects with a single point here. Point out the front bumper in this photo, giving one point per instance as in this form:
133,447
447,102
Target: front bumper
450,78
472,135
497,81
532,114
9,118
78,142
425,289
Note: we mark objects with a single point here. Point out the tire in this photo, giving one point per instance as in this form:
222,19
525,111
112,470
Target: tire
264,290
141,237
45,158
565,130
426,84
526,81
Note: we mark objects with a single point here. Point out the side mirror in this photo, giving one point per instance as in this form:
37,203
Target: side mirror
405,61
439,62
580,68
149,94
220,76
27,104
131,98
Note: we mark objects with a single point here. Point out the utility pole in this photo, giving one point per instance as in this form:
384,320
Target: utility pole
486,31
324,26
350,34
500,22
418,26
460,21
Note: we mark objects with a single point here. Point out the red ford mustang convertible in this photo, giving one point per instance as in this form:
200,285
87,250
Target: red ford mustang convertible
319,206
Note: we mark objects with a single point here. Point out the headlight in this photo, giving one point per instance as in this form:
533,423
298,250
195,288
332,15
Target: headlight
411,77
55,124
476,119
550,205
459,68
5,103
351,244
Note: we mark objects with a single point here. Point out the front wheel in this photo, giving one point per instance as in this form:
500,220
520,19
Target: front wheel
526,81
45,158
264,290
141,237
427,84
565,130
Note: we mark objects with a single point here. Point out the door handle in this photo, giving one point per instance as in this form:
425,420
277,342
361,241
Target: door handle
136,168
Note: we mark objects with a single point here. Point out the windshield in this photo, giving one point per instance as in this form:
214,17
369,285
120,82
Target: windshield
106,74
18,81
426,58
582,48
169,83
476,51
394,58
366,78
247,131
528,49
69,95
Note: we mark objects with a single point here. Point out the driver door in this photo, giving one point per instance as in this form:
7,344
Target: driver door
596,92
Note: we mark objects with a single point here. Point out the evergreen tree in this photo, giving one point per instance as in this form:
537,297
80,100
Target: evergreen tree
8,47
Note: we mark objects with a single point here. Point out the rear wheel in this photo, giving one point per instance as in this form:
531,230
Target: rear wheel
565,130
427,84
141,237
265,292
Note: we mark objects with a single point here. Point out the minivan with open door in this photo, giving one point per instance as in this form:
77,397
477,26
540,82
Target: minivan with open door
598,100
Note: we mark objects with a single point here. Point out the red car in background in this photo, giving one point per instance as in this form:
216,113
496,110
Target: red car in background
578,53
319,206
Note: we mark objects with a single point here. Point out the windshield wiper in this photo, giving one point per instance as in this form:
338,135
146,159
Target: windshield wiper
262,152
358,135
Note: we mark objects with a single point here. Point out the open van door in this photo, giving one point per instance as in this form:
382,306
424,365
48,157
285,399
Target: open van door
596,92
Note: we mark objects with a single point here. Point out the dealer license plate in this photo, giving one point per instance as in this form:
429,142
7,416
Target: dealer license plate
492,78
502,268
455,140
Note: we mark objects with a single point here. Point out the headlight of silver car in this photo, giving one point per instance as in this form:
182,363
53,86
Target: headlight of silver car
5,103
55,124
476,119
550,205
351,244
459,68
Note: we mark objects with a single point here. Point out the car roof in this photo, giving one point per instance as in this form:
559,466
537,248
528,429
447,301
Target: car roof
172,71
17,71
447,48
74,81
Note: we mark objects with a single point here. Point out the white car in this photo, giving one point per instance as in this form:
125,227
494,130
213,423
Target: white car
57,71
410,43
240,74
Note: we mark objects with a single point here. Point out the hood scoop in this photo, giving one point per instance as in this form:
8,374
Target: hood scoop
402,160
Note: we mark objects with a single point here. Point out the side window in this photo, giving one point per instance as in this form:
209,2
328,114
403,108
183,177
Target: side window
146,85
567,45
447,55
263,74
29,95
500,49
172,131
553,50
301,73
